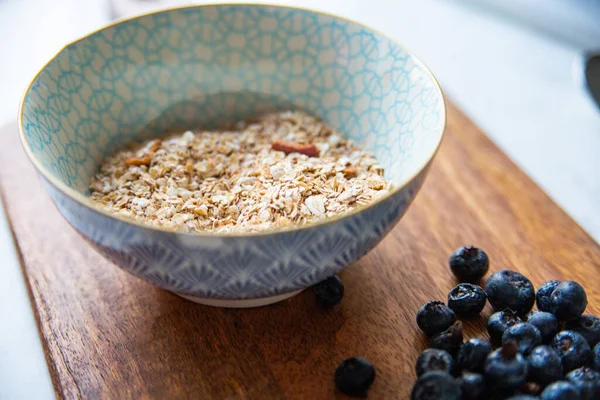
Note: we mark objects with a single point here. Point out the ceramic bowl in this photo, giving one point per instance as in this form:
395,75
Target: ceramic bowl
196,66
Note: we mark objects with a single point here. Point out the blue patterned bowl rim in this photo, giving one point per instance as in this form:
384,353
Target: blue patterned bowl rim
86,202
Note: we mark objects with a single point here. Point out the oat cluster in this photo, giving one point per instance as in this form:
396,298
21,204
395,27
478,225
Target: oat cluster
252,177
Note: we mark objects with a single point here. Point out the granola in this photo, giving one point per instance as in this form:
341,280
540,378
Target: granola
281,169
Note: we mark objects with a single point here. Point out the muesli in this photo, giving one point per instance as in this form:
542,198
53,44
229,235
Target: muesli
281,169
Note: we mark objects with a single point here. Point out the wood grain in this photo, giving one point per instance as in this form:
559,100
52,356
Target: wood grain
109,335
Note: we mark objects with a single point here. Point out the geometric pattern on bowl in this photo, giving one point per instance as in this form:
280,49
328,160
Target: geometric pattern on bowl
204,65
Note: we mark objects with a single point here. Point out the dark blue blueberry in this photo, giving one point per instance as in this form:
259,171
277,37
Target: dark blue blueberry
496,393
560,390
526,335
587,326
450,340
435,317
568,301
542,298
472,355
469,264
546,322
436,385
510,289
506,368
573,350
472,386
499,322
545,365
466,299
354,376
587,382
434,360
522,397
596,357
329,292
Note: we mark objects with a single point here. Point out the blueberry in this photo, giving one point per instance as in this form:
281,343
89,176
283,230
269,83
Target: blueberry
573,350
329,292
544,365
526,335
587,326
510,289
568,301
354,376
496,393
472,386
435,317
434,360
587,382
560,390
469,264
522,397
472,355
506,368
450,340
546,322
596,357
436,385
499,322
466,299
542,297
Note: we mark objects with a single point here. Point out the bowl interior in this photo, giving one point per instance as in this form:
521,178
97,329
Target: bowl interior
200,66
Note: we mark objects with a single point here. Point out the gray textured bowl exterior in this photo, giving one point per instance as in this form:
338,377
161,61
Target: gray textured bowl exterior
236,268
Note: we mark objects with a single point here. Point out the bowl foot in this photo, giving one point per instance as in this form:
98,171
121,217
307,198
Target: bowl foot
247,303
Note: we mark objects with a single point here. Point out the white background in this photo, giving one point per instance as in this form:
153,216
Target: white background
516,84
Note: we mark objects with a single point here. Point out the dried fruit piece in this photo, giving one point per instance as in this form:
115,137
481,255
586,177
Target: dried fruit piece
291,147
145,160
155,145
349,172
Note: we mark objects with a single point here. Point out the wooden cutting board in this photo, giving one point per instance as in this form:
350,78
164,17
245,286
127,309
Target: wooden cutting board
109,335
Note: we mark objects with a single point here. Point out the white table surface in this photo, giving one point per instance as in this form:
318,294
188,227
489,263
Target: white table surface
517,85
